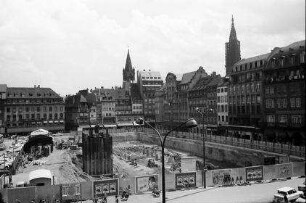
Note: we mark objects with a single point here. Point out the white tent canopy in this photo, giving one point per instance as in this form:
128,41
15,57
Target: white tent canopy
40,132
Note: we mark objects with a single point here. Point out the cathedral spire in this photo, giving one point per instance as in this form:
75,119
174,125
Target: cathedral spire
232,49
128,71
233,35
128,63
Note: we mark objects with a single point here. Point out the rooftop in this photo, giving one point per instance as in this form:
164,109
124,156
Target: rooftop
150,74
252,59
30,92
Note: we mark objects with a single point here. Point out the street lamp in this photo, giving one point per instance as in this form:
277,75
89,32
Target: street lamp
203,140
190,123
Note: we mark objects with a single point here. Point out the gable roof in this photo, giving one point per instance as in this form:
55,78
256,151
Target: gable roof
187,77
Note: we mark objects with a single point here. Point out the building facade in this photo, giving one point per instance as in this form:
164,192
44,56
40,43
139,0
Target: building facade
222,101
232,49
180,106
80,110
149,81
203,96
137,101
245,91
284,94
25,109
106,106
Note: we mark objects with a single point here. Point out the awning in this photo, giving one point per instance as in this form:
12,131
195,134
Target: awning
40,173
45,121
55,121
50,121
40,132
61,121
124,124
110,126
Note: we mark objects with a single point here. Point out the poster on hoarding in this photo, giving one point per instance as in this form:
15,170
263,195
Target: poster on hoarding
108,187
254,173
185,180
146,183
71,191
283,170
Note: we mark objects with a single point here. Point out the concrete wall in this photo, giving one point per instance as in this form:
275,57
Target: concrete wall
50,193
239,156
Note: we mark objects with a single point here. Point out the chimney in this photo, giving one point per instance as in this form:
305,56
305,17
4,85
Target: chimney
38,86
34,86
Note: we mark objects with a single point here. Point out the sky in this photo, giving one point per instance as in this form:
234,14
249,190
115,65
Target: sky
69,45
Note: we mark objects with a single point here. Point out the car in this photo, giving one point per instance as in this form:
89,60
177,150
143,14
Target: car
286,192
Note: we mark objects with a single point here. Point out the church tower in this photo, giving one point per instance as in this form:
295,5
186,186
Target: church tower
128,73
232,49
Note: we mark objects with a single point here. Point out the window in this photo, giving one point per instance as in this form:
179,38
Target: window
298,102
282,119
50,108
38,116
38,109
50,115
296,119
270,118
292,102
8,110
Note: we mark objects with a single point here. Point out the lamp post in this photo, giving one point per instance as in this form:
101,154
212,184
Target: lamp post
203,140
190,123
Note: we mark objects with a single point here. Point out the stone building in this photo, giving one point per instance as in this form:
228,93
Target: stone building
25,109
171,113
222,101
159,101
245,91
106,106
149,81
180,105
137,101
80,110
284,94
232,49
204,97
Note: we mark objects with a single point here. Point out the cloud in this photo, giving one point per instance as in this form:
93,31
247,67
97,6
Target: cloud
74,44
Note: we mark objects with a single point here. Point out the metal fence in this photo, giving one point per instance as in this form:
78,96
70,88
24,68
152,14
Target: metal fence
280,148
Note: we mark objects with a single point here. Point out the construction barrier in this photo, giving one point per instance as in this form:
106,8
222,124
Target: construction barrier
141,184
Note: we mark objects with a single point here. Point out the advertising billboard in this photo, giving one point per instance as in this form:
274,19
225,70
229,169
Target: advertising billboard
146,183
108,187
185,180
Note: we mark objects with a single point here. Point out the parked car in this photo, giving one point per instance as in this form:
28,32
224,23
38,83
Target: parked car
286,192
302,188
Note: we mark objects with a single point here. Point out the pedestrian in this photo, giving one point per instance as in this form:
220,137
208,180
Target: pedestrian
286,198
116,199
